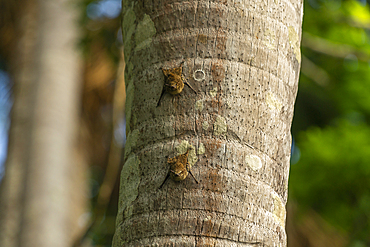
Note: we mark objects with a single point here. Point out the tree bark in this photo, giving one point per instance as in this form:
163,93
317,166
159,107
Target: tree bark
243,60
36,201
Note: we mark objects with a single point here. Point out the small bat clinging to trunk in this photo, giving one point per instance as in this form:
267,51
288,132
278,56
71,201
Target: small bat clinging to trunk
179,168
174,82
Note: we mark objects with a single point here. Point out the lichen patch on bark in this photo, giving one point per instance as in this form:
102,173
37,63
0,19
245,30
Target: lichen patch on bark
220,126
205,125
199,105
129,101
272,102
131,141
130,180
144,32
213,92
279,210
254,162
294,43
185,146
128,29
201,149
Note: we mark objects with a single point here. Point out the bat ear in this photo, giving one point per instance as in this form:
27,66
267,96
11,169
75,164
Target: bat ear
178,71
165,71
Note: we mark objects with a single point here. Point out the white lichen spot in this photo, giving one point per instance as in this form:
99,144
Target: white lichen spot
269,39
220,126
213,92
199,105
199,75
201,149
185,146
144,32
279,210
294,43
254,162
205,125
272,102
131,141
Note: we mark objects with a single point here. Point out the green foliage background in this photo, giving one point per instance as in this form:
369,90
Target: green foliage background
330,171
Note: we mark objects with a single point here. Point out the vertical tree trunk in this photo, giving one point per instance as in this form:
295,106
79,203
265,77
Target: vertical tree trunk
36,198
243,60
22,67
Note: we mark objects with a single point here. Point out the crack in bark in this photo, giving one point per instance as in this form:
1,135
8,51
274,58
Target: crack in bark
236,137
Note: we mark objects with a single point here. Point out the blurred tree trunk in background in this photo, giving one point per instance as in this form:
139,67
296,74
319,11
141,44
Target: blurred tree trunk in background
243,59
42,193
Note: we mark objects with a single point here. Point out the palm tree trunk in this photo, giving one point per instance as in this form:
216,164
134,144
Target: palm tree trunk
243,60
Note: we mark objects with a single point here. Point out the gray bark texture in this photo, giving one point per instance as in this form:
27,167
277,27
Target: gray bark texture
38,197
243,60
